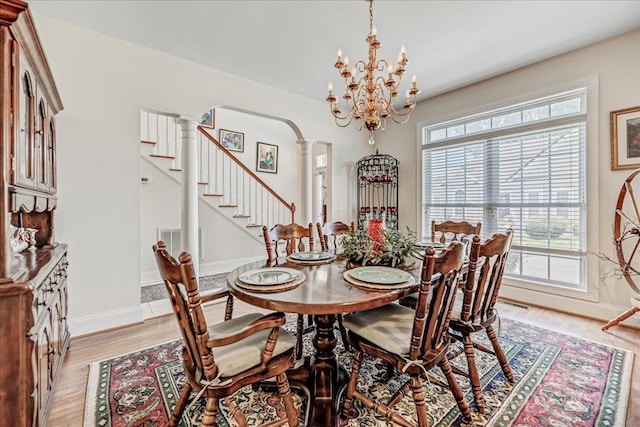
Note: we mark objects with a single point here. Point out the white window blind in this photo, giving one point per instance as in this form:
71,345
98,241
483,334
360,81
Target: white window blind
522,167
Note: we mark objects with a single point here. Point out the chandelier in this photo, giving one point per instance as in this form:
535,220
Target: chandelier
369,98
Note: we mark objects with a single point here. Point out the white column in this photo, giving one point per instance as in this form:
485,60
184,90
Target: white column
189,212
306,217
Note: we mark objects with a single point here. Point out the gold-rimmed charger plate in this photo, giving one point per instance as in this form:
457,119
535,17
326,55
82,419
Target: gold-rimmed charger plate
265,289
311,258
376,286
269,276
380,275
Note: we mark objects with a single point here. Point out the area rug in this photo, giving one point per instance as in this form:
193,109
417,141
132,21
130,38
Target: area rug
560,380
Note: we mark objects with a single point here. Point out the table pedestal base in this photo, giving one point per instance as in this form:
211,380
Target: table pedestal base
322,374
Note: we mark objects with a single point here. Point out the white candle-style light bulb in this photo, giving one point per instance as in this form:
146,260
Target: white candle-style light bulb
374,31
403,50
339,53
346,60
330,87
413,79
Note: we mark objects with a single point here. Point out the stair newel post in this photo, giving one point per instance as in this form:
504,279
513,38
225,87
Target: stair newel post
306,146
189,184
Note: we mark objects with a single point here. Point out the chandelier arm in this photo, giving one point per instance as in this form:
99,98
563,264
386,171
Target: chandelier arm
371,88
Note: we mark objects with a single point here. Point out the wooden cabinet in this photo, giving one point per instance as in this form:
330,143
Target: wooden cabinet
33,283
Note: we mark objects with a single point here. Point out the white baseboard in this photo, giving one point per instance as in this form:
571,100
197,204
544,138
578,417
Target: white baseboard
104,321
591,309
153,277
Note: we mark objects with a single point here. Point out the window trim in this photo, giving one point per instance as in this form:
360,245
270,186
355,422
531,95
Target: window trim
537,291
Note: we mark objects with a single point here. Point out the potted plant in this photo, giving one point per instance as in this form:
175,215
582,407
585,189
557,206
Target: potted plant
386,247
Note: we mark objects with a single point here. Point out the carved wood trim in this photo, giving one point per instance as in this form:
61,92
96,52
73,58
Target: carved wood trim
10,10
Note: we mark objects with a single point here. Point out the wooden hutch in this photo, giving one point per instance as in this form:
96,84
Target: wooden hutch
33,287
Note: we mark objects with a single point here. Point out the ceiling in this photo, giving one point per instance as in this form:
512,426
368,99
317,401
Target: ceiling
292,45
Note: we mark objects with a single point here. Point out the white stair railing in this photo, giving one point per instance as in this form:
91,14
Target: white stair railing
226,183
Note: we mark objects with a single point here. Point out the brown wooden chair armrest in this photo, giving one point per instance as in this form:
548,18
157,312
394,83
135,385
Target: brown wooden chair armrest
269,321
223,293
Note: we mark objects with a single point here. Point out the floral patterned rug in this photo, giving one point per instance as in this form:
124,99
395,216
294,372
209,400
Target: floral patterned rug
559,381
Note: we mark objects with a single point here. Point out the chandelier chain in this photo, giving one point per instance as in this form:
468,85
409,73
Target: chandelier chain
369,98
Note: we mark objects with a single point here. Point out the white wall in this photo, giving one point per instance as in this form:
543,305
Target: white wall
615,63
224,243
104,83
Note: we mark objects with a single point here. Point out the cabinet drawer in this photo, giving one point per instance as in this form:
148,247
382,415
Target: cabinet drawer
49,287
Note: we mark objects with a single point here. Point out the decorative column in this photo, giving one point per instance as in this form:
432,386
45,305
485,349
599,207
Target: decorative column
189,212
306,146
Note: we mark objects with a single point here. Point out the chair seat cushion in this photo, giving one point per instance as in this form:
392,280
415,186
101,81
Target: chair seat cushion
388,327
247,353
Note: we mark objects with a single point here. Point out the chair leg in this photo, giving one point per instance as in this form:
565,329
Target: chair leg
299,336
445,366
502,358
417,392
351,385
343,332
176,414
228,310
285,394
474,377
210,412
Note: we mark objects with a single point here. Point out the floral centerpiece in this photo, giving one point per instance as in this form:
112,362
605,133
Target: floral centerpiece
377,246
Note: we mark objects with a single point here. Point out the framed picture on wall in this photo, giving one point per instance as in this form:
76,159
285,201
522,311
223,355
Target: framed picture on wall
208,119
232,140
267,158
625,138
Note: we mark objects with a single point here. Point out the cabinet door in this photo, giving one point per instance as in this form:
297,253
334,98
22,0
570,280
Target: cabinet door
50,141
24,149
40,144
43,367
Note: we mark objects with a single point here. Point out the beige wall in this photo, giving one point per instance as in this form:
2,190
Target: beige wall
615,65
104,83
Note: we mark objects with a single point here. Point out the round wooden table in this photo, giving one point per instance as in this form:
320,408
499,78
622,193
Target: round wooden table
323,294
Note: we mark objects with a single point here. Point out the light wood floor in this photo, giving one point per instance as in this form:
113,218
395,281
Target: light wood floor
68,406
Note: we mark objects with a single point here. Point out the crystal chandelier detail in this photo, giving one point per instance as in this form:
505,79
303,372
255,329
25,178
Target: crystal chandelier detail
369,98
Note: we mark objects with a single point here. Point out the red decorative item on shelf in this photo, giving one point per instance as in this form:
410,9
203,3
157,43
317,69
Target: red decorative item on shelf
375,234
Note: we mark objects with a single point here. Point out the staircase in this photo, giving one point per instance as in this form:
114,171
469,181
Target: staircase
225,184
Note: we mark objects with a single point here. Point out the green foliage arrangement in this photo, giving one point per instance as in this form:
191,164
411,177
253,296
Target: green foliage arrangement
395,247
537,227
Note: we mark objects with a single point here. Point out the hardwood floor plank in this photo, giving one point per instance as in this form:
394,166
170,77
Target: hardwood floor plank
68,405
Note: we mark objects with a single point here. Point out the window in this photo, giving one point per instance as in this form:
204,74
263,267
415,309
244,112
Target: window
521,167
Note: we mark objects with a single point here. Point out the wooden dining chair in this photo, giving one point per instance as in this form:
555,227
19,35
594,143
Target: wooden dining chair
329,235
221,358
284,240
444,232
412,341
476,311
447,231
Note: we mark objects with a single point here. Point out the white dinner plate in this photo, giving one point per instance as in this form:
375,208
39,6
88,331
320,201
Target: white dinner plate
380,275
269,276
429,243
311,256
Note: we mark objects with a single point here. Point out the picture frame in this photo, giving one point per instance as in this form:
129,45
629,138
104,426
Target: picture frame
625,138
208,119
232,140
266,157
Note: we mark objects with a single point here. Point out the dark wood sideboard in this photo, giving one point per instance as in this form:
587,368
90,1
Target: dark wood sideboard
33,283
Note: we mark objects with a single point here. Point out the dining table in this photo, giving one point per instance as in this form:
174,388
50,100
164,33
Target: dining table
324,292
